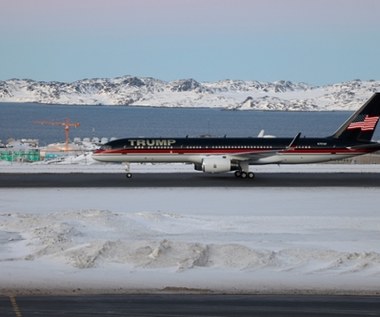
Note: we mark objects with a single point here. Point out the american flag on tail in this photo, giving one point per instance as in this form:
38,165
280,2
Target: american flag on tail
364,123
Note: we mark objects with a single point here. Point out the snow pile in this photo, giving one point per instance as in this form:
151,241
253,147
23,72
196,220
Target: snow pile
49,240
94,238
229,94
85,164
78,240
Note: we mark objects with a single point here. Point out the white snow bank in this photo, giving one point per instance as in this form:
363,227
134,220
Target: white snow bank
72,166
219,239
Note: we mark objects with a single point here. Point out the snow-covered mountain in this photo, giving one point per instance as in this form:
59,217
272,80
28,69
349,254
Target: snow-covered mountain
229,94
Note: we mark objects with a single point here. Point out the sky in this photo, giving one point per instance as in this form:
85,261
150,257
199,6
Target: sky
313,41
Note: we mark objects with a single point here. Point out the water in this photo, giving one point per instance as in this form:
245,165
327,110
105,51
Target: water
17,121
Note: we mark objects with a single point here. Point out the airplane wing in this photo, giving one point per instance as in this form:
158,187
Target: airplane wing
258,156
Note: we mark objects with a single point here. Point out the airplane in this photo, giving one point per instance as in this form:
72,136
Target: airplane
224,154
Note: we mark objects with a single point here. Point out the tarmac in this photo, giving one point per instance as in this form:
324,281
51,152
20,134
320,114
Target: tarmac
140,180
189,305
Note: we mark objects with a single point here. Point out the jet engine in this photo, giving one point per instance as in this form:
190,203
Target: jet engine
216,164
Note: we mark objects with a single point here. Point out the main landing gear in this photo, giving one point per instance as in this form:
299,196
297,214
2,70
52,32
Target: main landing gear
245,175
243,171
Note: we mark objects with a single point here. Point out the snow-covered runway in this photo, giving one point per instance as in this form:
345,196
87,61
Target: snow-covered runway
221,239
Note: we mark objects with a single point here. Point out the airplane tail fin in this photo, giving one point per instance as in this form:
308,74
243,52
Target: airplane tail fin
362,124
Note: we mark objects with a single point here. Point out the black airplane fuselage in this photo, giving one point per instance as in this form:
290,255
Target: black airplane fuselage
217,155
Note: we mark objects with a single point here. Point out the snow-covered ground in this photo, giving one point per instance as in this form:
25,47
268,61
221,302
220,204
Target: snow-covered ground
220,239
85,164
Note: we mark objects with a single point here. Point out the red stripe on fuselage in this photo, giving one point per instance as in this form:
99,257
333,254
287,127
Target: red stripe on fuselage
223,151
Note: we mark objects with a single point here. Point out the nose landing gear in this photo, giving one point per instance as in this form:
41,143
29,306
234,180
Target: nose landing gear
127,170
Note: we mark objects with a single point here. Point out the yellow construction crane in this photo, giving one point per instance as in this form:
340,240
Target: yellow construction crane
66,124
